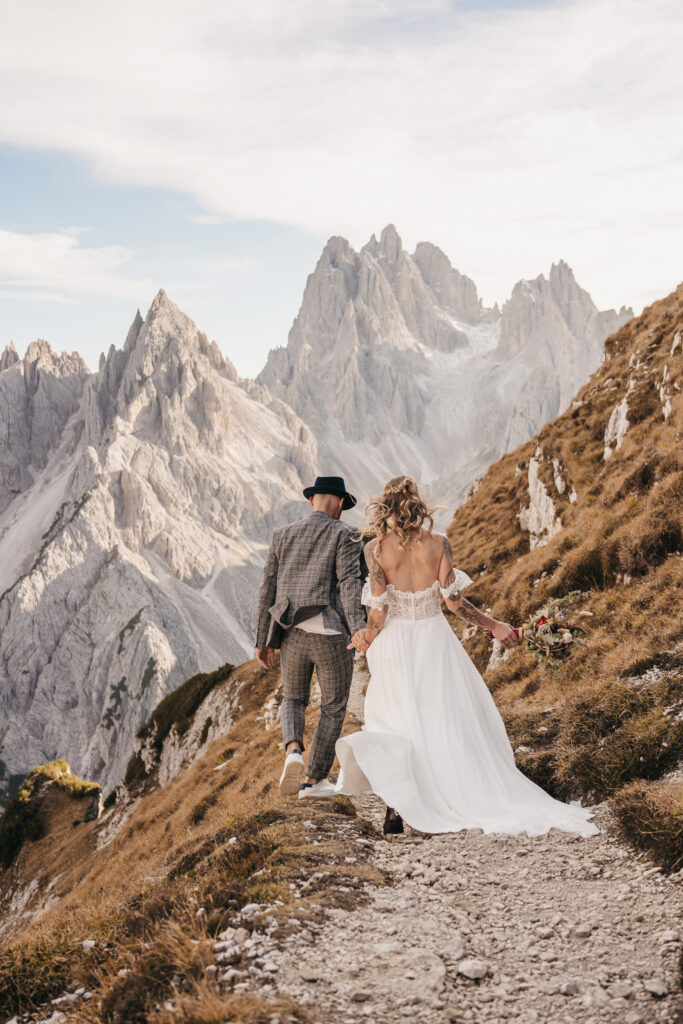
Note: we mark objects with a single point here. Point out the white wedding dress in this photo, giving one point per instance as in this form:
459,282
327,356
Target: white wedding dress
434,745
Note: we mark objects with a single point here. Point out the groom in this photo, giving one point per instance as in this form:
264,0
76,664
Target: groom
309,606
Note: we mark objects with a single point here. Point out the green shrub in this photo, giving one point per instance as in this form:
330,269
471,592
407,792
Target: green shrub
178,707
22,819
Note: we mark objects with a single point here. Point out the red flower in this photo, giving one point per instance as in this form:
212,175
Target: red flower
542,621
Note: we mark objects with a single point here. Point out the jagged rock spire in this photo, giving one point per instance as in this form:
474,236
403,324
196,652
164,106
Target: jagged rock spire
8,357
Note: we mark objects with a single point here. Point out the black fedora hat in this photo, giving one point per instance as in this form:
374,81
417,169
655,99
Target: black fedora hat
331,485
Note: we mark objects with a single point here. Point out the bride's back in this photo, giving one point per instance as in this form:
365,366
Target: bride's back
415,566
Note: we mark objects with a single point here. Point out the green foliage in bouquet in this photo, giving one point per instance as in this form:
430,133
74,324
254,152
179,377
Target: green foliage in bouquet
549,632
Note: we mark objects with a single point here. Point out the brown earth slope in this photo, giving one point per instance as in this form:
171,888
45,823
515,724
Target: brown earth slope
586,518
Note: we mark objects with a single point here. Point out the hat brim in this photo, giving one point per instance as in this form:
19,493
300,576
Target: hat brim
349,500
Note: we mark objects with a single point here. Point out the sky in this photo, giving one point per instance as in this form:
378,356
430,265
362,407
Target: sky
211,148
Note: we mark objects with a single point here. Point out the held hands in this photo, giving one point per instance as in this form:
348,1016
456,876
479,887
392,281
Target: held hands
265,656
506,635
358,641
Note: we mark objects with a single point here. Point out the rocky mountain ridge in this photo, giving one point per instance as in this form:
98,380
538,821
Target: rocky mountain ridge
130,554
397,366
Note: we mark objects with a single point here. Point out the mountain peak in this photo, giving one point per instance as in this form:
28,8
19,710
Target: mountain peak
165,325
133,332
163,306
390,243
389,248
561,273
456,292
9,356
337,249
39,349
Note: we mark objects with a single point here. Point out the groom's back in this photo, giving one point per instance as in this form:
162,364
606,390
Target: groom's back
306,552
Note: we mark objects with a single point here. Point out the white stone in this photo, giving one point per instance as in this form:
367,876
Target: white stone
539,517
656,987
473,968
616,427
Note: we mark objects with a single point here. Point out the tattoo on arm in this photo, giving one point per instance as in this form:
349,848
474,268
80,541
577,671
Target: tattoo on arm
466,610
448,553
375,622
377,578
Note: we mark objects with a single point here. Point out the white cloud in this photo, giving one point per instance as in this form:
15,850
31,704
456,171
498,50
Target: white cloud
58,262
510,138
228,266
32,296
55,268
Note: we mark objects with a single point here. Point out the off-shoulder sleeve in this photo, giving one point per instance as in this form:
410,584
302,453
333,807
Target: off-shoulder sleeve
461,581
377,601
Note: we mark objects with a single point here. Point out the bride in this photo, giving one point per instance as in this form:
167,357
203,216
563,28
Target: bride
434,746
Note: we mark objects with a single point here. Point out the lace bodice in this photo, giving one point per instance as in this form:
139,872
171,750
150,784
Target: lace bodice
414,604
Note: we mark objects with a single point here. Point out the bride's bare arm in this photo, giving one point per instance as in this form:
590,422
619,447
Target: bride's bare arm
464,609
378,585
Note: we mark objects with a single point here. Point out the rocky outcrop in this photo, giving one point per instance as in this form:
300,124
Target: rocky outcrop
130,559
616,427
182,726
452,291
397,366
8,357
558,327
539,517
38,395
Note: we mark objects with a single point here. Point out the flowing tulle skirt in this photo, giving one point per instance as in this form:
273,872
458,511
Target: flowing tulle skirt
434,745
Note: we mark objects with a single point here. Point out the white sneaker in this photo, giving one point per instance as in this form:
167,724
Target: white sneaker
322,788
291,774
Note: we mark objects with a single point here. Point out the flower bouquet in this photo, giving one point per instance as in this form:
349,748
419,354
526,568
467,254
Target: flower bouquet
549,632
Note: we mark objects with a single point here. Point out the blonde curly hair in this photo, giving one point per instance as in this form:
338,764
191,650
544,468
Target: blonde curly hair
400,509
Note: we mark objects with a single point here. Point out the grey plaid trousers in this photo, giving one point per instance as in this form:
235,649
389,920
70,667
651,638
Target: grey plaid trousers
299,653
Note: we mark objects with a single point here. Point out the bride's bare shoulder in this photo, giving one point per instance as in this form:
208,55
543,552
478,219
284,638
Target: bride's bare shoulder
443,542
370,547
370,552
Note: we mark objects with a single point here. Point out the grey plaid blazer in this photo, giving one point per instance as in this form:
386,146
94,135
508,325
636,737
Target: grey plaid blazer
313,565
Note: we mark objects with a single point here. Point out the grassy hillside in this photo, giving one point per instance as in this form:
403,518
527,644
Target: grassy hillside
605,720
150,885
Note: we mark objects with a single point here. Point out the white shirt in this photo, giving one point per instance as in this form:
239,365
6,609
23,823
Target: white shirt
316,625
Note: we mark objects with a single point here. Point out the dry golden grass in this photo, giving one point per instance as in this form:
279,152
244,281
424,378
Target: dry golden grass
138,896
603,723
651,815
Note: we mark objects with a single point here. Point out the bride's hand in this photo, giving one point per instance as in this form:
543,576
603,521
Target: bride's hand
506,635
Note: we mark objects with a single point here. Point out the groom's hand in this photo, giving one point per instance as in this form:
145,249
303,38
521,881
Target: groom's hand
358,641
265,656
